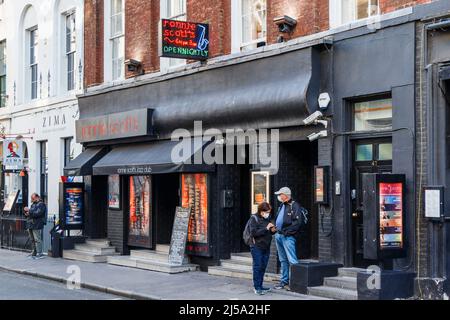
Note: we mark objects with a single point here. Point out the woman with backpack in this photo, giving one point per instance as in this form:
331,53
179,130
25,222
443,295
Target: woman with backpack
260,231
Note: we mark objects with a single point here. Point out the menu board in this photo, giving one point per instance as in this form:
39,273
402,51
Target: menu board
114,191
140,212
73,206
179,236
195,196
11,201
260,189
391,215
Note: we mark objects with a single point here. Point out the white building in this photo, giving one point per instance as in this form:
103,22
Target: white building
41,71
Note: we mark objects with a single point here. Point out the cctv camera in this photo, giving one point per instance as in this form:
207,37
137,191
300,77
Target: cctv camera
317,135
313,117
285,24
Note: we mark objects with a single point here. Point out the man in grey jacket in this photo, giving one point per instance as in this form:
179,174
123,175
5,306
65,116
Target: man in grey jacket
36,215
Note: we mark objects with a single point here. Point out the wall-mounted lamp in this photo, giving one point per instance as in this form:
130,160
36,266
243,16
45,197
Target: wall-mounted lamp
285,24
134,66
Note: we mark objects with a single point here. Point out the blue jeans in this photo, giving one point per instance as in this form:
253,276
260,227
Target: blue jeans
260,260
287,254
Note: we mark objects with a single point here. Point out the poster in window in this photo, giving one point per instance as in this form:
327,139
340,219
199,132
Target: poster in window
195,195
114,192
320,184
391,215
140,212
260,188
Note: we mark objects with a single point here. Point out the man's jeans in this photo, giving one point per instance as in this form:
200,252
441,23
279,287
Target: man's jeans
36,241
287,254
260,260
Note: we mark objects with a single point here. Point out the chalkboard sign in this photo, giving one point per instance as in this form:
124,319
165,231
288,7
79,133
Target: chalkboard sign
11,201
179,235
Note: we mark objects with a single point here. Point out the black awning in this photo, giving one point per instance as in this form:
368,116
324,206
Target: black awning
153,158
444,74
82,165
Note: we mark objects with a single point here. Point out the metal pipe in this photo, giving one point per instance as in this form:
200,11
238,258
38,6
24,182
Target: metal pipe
439,25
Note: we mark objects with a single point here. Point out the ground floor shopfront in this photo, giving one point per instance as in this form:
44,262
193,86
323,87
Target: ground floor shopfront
372,120
45,140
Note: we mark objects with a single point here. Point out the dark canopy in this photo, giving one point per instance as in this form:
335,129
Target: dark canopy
82,165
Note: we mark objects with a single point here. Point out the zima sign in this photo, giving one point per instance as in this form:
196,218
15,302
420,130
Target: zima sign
13,154
184,40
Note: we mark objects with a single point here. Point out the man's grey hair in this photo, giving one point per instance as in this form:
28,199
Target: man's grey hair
35,195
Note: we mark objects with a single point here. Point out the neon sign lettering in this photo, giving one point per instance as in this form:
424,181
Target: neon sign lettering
185,40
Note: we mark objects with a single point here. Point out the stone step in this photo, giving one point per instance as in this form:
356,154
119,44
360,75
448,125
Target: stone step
163,248
98,242
237,265
240,257
153,255
333,293
102,251
349,272
150,265
84,256
341,282
227,272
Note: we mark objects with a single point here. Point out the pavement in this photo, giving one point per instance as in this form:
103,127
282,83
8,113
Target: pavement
14,286
134,283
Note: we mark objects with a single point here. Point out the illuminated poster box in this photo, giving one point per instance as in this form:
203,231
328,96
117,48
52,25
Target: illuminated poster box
184,40
384,216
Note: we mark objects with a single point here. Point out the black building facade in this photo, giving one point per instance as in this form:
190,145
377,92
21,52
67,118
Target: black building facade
387,114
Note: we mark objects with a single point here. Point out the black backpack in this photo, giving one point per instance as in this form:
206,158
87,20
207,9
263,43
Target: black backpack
248,239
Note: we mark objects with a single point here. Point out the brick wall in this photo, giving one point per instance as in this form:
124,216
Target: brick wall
392,5
93,42
218,14
311,16
141,33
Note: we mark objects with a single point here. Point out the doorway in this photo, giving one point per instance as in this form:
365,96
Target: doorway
369,156
167,198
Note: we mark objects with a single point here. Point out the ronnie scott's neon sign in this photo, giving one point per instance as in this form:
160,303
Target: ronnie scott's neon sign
184,40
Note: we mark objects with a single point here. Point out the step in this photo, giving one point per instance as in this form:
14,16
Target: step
98,242
103,251
163,248
349,272
227,272
165,267
237,265
333,293
239,257
341,282
83,256
152,255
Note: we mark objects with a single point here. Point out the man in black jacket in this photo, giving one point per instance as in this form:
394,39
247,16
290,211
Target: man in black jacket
288,222
36,215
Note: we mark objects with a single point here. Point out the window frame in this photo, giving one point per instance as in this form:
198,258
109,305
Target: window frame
117,39
166,64
43,169
251,43
337,12
70,53
371,98
33,51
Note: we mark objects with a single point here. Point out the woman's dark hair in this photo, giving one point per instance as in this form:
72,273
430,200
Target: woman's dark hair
263,207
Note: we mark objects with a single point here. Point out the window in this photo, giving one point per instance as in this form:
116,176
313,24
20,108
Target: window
346,11
43,146
68,150
70,50
379,151
2,74
117,39
253,24
373,115
33,66
175,10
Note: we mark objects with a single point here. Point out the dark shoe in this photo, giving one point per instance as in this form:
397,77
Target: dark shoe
260,292
266,289
41,256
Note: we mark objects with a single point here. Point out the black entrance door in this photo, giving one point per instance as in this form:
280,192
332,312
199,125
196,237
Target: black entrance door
369,156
